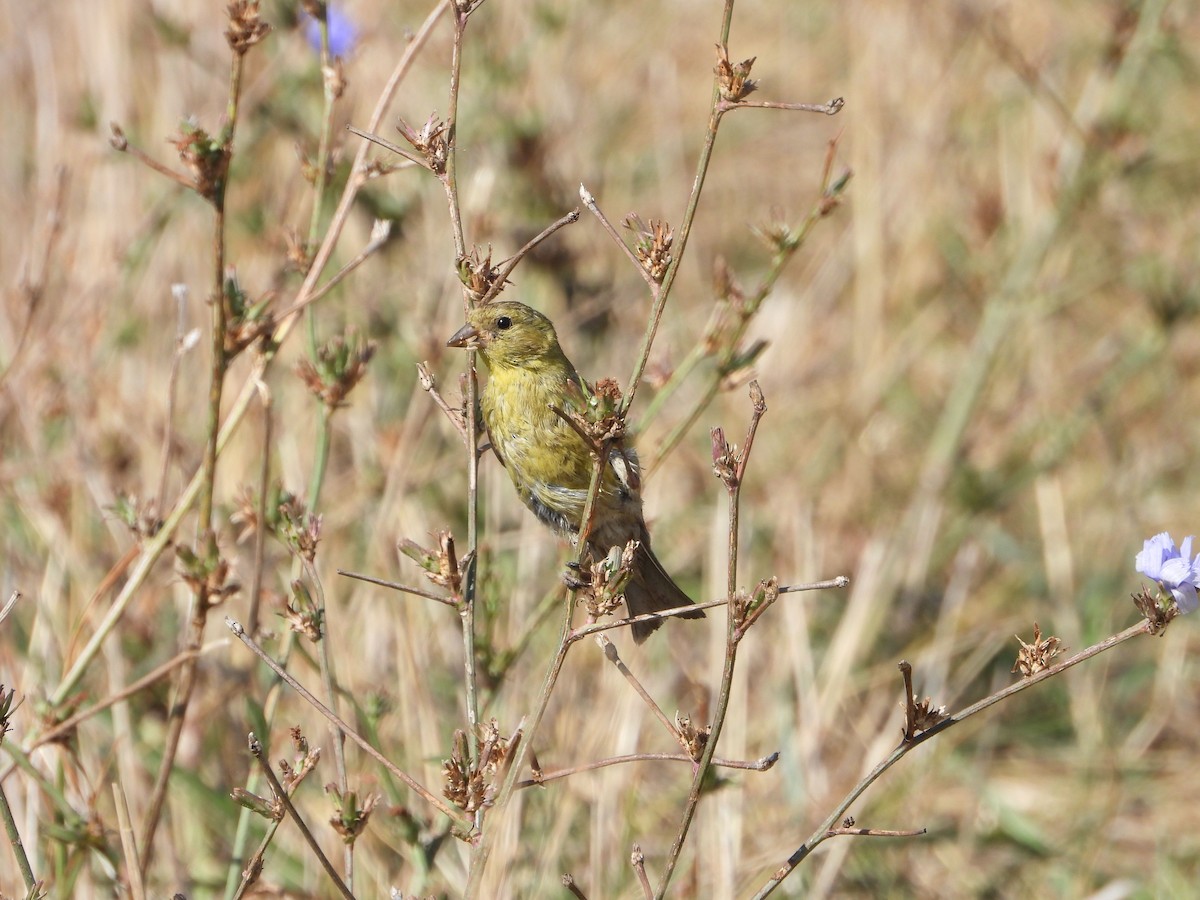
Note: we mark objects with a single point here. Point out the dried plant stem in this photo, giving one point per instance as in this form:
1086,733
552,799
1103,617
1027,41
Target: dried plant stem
840,582
260,533
590,202
733,483
239,877
396,586
826,828
253,865
685,230
610,653
638,860
511,263
456,417
832,108
752,765
329,683
362,742
449,181
137,888
282,796
159,672
726,353
207,550
32,284
482,849
155,546
181,347
379,236
322,169
14,841
876,832
48,787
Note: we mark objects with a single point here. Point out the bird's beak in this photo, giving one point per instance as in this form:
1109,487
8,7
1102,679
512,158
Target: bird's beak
467,337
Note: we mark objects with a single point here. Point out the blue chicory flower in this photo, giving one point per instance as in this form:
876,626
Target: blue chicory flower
1173,568
342,32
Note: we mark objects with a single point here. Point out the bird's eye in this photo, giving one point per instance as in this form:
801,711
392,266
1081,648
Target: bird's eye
504,323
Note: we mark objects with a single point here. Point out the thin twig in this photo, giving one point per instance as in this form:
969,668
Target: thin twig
733,476
875,832
207,542
154,547
750,765
8,605
137,887
362,742
637,859
31,285
391,146
329,682
590,202
14,841
483,847
610,653
832,108
906,745
282,796
120,143
260,533
155,674
840,582
685,230
568,881
456,417
404,588
511,263
183,343
380,234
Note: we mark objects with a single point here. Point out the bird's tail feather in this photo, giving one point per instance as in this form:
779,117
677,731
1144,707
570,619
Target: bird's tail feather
651,589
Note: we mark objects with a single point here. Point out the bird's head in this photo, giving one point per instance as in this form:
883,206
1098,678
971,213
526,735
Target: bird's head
509,335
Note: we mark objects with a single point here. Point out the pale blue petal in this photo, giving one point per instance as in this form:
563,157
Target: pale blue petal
1175,572
1186,598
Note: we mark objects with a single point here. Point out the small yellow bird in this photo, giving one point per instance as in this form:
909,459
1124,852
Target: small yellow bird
548,461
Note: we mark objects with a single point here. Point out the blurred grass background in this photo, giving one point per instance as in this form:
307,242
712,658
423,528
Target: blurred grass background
980,379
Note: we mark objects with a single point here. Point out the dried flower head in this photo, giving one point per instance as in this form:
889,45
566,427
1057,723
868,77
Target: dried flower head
442,566
299,529
468,783
335,78
1036,656
431,142
302,613
604,590
207,573
139,518
691,738
595,414
299,252
246,322
339,366
925,715
7,708
725,457
733,81
350,816
246,27
476,272
651,244
1154,609
206,158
